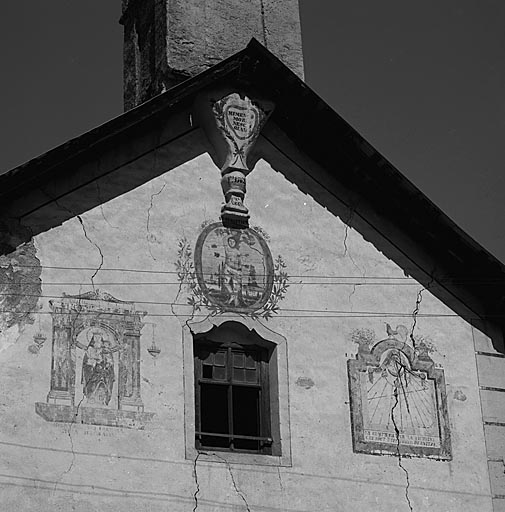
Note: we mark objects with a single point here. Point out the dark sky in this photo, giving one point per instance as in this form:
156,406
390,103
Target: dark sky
424,82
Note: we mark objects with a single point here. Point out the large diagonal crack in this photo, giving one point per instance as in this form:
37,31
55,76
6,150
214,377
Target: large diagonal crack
399,385
79,218
397,433
148,220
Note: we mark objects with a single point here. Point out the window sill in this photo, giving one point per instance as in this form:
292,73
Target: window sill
279,389
253,459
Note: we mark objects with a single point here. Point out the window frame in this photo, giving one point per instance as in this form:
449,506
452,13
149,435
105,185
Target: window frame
262,360
278,383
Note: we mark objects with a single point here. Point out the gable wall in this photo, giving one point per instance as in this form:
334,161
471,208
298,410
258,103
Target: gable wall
333,295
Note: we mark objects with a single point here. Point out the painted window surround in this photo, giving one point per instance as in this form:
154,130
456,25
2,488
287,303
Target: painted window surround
279,393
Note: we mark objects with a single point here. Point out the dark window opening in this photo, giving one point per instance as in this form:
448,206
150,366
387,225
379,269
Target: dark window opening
232,397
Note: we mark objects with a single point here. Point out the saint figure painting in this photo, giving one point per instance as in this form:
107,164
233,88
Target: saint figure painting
98,370
234,267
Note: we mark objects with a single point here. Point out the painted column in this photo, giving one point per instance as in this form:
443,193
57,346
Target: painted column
130,368
62,369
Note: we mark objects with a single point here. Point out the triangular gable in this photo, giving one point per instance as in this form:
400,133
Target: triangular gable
305,140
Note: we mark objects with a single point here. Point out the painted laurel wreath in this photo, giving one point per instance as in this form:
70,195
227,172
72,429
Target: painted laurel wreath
186,275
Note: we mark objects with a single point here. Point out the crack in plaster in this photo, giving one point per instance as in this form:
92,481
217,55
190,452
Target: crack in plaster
79,218
397,433
71,440
237,490
415,312
351,296
197,484
399,368
74,420
281,485
399,384
346,233
344,242
101,200
148,235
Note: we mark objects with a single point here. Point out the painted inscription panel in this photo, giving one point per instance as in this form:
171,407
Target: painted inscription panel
239,119
398,399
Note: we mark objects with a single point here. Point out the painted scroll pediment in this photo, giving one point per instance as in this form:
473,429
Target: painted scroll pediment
96,295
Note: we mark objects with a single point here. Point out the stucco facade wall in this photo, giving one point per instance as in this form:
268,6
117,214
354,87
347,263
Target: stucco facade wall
338,284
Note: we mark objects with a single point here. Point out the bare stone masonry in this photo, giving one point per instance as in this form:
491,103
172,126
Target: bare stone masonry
167,41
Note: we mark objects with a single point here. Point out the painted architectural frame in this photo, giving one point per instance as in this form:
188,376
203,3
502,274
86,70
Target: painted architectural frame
398,400
95,366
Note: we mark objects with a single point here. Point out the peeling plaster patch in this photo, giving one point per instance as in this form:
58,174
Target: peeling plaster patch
304,382
459,395
20,290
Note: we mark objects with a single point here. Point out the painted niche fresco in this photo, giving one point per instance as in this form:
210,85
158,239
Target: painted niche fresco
398,397
233,270
95,368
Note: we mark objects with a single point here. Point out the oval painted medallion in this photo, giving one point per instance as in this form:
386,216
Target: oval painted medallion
234,268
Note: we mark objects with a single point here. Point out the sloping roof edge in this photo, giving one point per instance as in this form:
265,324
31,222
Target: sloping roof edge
335,145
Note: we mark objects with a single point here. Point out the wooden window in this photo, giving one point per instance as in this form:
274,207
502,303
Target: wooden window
232,397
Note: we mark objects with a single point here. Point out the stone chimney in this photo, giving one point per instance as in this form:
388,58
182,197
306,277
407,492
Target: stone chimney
168,41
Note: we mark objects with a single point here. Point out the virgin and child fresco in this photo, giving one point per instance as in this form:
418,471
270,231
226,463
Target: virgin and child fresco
95,367
234,267
98,377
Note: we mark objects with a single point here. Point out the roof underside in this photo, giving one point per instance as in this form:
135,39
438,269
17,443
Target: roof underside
345,174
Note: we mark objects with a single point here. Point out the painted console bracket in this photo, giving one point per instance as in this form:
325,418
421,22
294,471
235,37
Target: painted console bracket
232,125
